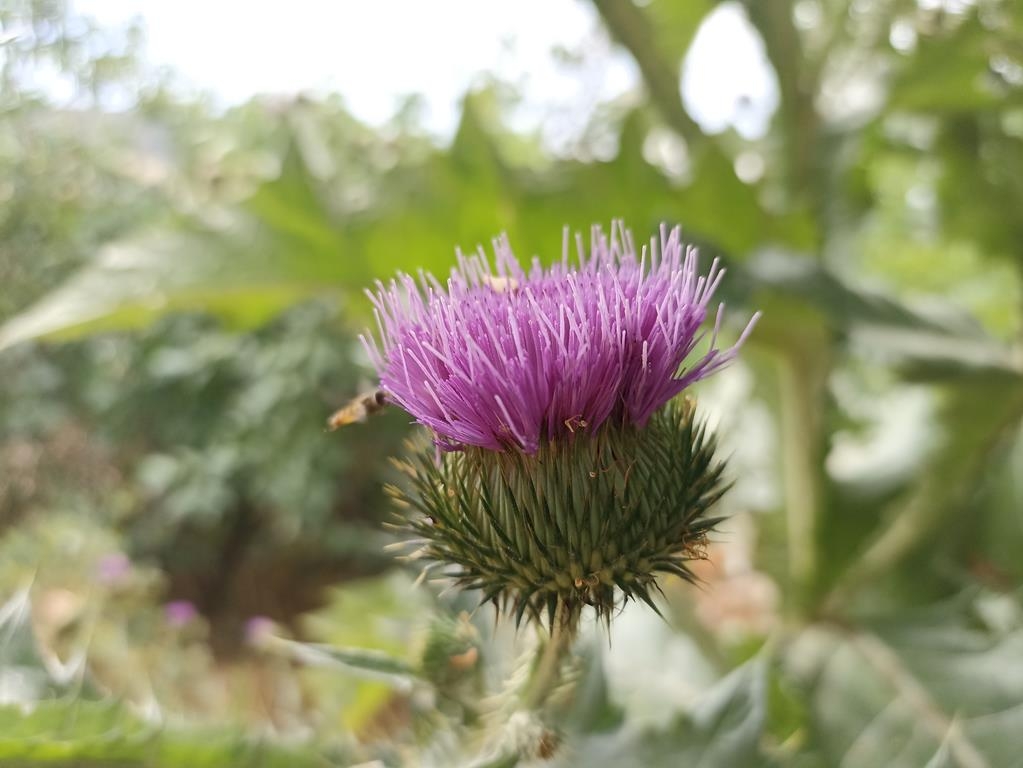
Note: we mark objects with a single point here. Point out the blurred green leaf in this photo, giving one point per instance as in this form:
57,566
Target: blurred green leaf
17,640
979,414
676,24
277,248
77,733
375,613
723,730
24,674
366,661
999,537
282,245
931,346
943,757
950,71
911,689
591,709
980,190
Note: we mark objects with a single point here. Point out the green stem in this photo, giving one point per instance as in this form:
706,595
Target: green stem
547,673
801,385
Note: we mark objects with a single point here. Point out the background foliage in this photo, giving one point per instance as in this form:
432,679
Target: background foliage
180,294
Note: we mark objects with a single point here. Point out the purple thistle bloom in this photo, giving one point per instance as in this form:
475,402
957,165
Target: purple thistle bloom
509,359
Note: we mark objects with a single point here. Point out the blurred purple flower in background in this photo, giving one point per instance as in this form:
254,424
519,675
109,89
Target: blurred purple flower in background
113,569
509,359
180,613
258,629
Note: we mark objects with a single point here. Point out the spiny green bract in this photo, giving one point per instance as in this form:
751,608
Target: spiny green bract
572,522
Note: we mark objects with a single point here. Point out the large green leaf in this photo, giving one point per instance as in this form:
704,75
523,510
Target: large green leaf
245,264
979,415
282,245
591,709
722,730
912,691
928,346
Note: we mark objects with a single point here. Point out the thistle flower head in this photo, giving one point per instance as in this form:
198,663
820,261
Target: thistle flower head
505,359
565,478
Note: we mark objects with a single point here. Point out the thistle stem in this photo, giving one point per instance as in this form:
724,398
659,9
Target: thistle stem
804,370
547,672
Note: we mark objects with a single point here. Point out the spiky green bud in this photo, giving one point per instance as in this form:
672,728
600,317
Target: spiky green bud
579,521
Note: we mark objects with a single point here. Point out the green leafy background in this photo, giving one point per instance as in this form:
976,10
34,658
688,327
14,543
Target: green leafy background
181,291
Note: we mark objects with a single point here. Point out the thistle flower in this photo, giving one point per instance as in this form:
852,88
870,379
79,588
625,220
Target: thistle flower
563,474
508,360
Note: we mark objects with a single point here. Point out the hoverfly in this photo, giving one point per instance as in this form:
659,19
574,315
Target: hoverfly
358,409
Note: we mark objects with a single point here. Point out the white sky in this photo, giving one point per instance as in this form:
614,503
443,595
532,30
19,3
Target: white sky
375,52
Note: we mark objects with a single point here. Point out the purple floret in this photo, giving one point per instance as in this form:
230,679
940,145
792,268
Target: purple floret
504,359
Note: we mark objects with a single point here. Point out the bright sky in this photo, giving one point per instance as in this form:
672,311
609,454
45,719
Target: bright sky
374,53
